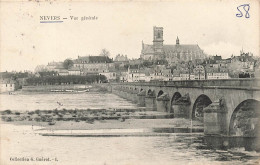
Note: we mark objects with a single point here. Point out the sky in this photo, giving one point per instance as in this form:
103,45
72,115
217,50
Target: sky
120,28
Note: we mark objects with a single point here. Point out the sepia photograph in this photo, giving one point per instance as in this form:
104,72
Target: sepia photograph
138,82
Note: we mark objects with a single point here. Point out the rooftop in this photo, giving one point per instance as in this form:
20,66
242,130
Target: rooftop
92,59
148,49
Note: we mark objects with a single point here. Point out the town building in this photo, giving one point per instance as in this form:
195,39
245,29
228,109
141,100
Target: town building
185,76
199,72
158,72
149,74
74,71
216,59
63,72
7,85
111,75
162,73
59,68
123,77
135,74
176,74
217,75
54,66
167,74
93,64
120,58
243,64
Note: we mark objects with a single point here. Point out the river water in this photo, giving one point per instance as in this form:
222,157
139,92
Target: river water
23,142
48,101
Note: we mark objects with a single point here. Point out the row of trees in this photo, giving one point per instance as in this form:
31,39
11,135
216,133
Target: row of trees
48,73
71,79
245,75
14,76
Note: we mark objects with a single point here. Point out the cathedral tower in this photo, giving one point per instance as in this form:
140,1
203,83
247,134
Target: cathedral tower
158,41
177,41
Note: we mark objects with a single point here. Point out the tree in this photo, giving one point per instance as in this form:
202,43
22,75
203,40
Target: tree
68,63
104,52
48,73
74,79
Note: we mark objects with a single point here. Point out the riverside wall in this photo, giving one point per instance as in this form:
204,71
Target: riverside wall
47,88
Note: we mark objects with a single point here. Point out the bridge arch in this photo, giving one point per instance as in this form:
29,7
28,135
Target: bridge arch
245,119
160,93
175,97
150,92
200,103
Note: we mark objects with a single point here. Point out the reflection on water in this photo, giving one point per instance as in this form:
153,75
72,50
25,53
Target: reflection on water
224,143
177,130
49,101
175,149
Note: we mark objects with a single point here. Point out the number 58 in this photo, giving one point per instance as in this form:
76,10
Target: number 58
246,7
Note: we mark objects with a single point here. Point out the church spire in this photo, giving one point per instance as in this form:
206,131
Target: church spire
177,41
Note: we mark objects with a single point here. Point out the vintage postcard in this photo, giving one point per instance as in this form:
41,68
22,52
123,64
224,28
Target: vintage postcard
157,82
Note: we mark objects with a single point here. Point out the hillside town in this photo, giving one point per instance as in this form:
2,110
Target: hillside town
156,62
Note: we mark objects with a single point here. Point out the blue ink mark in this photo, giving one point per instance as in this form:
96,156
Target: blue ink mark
246,7
51,21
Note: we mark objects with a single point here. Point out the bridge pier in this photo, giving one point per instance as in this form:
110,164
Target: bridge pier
181,110
150,103
117,92
141,98
215,118
120,93
124,94
133,96
163,103
181,107
128,95
136,97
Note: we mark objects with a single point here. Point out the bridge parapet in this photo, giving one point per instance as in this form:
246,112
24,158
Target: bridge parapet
235,83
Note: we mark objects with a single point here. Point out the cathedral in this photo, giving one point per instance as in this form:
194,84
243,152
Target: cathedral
171,53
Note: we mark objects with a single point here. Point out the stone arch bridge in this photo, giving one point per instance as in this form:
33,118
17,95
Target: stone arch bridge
227,107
